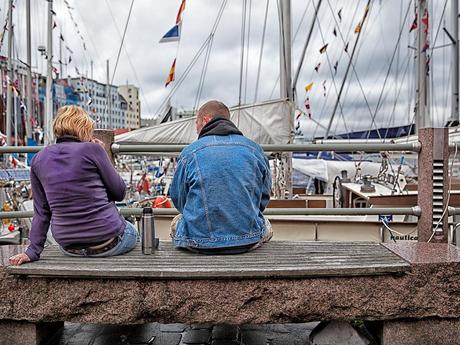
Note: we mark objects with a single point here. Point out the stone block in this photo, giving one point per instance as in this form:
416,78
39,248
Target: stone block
197,336
27,333
167,339
173,327
421,332
225,332
336,333
144,334
253,338
224,342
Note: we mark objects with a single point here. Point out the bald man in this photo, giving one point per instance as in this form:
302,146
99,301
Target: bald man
221,187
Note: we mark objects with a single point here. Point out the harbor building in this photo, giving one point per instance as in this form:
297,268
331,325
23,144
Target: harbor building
133,114
108,112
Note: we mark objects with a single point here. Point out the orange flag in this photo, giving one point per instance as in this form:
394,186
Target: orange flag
171,74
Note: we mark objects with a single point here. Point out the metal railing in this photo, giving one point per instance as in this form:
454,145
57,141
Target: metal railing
131,149
405,211
152,148
146,148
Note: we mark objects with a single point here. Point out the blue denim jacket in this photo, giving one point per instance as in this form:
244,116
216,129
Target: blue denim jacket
221,186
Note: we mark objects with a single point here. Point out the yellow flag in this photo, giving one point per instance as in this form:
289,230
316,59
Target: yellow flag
358,28
308,87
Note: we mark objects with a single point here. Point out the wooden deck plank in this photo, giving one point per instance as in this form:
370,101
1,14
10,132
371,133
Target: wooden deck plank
276,259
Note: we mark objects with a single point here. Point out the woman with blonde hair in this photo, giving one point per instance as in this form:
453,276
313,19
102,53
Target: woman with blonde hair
74,187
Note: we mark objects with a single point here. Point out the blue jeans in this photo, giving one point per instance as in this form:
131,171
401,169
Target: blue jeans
125,245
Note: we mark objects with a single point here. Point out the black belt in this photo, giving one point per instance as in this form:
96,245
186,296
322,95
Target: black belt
93,248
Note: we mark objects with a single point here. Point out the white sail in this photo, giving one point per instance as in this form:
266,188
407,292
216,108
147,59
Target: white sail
265,123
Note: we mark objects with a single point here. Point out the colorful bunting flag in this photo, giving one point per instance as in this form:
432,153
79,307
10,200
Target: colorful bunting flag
358,28
334,32
171,74
54,24
361,23
317,67
307,107
323,48
61,37
179,13
335,67
346,47
425,21
339,14
172,35
414,24
308,87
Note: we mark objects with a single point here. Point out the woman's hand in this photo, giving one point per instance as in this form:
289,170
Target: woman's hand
97,141
19,259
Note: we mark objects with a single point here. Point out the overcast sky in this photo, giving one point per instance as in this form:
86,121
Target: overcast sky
145,62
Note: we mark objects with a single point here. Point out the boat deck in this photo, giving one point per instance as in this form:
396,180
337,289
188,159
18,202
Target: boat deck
276,259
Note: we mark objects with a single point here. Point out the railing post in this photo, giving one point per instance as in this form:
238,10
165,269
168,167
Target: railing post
433,184
107,136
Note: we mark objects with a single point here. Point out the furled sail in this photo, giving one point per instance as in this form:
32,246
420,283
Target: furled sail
265,123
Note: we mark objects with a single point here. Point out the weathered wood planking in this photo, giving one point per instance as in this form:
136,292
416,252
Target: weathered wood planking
276,259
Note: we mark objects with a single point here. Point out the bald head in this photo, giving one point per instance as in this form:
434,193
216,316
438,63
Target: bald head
209,111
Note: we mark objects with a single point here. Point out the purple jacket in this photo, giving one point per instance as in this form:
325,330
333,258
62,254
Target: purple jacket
74,185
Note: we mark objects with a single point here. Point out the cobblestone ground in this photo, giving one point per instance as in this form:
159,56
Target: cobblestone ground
180,334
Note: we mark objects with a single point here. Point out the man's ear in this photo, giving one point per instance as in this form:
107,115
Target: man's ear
206,119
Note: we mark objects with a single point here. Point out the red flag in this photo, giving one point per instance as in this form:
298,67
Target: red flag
179,14
425,21
414,24
171,74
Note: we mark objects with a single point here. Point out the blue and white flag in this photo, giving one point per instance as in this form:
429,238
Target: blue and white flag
172,35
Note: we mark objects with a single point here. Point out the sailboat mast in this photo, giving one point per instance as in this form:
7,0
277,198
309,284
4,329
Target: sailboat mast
49,78
285,49
454,116
28,112
61,71
9,93
286,81
423,111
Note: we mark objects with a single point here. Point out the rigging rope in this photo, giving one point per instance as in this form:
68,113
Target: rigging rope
322,112
355,73
261,52
389,68
145,100
243,34
206,59
178,82
335,86
247,51
122,40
